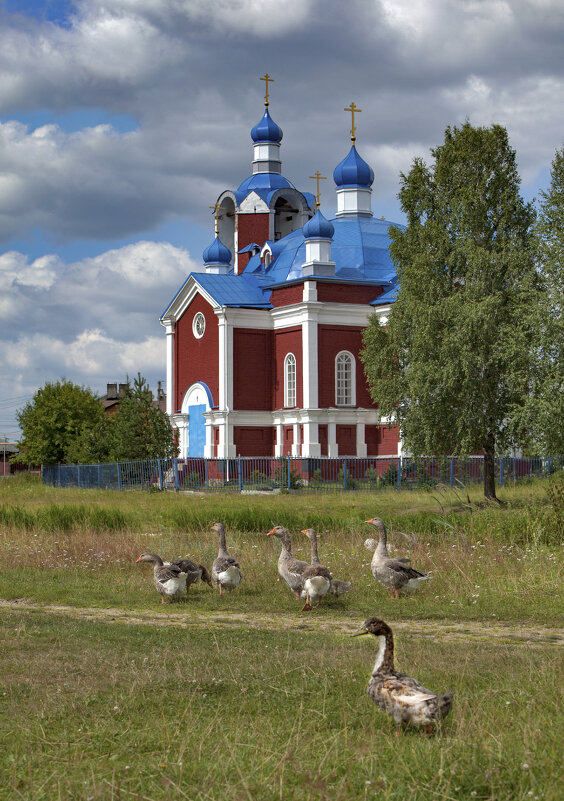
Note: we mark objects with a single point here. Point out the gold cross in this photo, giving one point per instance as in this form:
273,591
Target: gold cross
266,79
318,177
352,108
216,209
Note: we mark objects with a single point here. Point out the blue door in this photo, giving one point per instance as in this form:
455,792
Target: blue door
196,430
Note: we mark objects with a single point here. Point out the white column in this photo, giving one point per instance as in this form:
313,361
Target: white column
332,447
208,447
296,445
309,359
279,439
225,400
170,383
183,436
361,447
226,446
311,445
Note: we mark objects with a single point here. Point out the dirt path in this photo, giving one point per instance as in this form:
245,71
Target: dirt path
468,630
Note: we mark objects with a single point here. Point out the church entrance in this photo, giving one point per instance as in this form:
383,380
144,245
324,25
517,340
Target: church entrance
196,429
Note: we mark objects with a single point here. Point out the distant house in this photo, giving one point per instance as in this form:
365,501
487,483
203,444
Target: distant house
115,392
7,450
111,400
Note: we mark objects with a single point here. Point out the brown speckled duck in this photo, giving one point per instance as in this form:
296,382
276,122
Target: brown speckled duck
396,574
290,569
400,696
316,578
169,580
225,569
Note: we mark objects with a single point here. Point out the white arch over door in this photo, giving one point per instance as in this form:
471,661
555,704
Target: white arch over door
196,401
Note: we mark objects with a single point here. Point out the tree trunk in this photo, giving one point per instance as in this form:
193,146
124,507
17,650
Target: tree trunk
489,472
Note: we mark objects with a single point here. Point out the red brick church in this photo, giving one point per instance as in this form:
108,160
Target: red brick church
263,346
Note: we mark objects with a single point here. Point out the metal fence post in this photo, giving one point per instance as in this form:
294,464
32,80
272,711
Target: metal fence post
501,471
206,474
175,474
452,472
161,478
399,472
118,475
240,474
345,474
59,475
289,482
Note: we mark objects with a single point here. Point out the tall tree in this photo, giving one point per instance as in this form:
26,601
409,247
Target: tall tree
453,363
140,429
54,420
545,412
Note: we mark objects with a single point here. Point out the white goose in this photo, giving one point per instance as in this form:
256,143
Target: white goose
169,580
290,569
396,574
316,578
225,569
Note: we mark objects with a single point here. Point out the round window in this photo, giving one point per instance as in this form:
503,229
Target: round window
199,325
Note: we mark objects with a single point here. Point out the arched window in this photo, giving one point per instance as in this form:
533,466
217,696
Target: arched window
345,379
290,380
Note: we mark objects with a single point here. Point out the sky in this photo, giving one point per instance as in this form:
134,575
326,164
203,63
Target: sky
121,121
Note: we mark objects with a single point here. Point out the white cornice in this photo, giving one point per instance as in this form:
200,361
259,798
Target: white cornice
350,416
184,298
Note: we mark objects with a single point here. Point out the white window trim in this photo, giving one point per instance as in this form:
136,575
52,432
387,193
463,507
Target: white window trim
351,397
290,388
197,317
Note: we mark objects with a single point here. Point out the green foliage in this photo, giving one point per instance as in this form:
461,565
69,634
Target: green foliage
259,480
53,422
140,429
454,362
555,495
281,475
543,416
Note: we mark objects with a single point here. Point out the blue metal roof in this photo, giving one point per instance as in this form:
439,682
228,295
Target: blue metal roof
233,290
353,171
264,184
389,296
266,130
217,253
360,250
318,227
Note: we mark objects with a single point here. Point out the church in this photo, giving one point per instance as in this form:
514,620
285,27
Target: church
263,345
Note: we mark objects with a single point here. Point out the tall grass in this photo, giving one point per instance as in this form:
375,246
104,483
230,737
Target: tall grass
100,711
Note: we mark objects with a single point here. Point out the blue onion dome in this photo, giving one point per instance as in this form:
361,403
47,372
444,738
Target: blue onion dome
353,171
266,130
217,253
318,227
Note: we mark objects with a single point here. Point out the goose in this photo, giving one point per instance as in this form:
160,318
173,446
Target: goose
169,580
194,572
400,696
316,578
395,574
225,569
289,569
337,587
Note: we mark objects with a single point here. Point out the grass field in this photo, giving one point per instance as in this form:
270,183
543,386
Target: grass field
109,695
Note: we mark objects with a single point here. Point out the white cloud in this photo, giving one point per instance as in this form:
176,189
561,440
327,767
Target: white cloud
185,75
